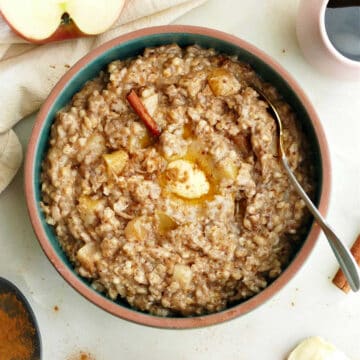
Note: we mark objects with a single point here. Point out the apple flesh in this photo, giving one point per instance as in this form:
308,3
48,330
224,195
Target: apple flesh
42,21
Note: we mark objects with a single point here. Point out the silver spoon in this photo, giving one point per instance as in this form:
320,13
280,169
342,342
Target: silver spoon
344,257
7,287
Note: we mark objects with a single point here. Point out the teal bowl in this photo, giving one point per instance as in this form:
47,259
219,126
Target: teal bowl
130,45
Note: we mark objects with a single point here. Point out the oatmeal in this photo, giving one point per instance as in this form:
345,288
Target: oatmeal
152,220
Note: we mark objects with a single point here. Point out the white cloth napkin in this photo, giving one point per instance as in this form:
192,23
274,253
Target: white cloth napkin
28,72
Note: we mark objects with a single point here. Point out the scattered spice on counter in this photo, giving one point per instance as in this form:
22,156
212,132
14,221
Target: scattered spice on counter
339,279
86,357
82,355
17,331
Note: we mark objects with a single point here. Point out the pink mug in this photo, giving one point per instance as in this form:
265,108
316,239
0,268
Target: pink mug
315,43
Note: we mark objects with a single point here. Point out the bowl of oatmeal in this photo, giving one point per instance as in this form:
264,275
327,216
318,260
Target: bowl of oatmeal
153,183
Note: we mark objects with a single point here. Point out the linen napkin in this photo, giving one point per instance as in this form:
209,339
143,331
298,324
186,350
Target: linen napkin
28,72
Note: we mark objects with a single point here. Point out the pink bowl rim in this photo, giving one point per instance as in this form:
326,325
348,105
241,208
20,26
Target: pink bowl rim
133,315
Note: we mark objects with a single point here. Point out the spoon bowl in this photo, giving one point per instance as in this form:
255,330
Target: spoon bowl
7,287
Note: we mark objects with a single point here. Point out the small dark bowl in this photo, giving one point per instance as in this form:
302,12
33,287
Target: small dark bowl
131,45
7,287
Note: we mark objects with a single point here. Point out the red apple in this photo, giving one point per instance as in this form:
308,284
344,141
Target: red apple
42,21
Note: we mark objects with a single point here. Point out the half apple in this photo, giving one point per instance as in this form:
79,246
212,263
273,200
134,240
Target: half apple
42,21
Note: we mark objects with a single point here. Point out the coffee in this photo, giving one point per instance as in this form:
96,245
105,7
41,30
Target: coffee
342,23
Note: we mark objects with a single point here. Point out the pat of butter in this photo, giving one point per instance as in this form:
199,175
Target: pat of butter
315,348
185,179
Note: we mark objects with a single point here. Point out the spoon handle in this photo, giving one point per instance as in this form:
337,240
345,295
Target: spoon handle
346,261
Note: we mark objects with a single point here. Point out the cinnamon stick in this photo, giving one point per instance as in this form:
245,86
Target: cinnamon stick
339,279
142,112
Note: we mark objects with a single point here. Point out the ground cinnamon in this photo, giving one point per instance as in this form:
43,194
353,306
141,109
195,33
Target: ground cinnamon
82,355
16,330
340,280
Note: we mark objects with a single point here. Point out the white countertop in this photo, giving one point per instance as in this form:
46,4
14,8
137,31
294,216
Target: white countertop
309,305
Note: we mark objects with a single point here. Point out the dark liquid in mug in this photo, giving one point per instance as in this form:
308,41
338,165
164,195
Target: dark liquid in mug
342,23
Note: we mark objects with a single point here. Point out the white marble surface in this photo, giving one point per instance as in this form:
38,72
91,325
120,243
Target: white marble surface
309,305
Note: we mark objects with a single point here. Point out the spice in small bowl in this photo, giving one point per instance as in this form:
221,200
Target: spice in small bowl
19,335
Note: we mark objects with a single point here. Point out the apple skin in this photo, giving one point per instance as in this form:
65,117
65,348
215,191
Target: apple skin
66,30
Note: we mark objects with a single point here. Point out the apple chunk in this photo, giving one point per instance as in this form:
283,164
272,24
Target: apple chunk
42,21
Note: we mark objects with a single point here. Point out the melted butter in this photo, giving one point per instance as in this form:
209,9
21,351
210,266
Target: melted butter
214,173
205,163
187,131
